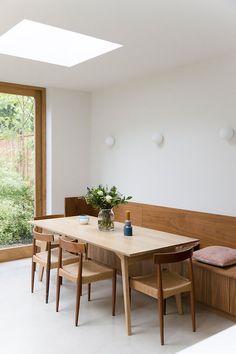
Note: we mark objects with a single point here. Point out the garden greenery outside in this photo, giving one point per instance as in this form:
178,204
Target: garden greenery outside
16,168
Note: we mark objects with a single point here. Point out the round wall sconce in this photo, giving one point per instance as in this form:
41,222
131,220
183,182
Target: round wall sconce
110,141
226,133
157,138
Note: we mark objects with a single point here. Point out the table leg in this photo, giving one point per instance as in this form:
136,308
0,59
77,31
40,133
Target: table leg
125,281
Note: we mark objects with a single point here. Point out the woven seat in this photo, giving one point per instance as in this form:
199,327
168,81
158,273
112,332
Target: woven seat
67,258
172,284
91,272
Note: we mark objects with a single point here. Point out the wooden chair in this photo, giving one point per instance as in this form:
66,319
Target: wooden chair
48,259
83,272
77,205
166,283
55,243
43,245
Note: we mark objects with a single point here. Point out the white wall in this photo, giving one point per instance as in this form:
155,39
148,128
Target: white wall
68,133
194,169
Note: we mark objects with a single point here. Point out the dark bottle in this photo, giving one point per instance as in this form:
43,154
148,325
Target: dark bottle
128,230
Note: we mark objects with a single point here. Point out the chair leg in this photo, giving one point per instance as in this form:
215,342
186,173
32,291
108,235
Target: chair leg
58,292
78,294
192,302
47,283
89,291
164,306
41,271
161,320
42,248
114,293
32,276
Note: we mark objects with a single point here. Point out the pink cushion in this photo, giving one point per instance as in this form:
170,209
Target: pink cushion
216,255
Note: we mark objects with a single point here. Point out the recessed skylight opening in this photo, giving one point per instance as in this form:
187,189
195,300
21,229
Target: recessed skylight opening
36,41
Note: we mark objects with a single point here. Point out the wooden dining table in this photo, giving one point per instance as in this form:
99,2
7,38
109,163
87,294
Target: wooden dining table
129,249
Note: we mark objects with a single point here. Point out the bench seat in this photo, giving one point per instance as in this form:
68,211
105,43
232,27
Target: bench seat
229,271
215,286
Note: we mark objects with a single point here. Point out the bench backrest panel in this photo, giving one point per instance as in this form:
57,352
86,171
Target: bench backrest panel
211,229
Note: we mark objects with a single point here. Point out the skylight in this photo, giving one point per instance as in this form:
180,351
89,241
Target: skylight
36,41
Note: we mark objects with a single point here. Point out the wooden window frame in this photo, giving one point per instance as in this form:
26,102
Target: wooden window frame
39,93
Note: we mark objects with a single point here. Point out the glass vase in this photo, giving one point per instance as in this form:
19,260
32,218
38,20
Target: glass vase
106,220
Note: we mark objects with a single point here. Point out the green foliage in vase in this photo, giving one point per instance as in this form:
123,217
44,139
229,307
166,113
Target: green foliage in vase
104,198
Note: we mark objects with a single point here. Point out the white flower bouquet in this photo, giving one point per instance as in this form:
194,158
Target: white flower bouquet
104,198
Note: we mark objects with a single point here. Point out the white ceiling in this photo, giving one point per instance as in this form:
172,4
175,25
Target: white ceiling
157,35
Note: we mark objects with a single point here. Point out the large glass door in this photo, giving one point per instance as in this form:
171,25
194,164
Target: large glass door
22,164
17,182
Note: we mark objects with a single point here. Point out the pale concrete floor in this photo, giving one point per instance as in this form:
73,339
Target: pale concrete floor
29,326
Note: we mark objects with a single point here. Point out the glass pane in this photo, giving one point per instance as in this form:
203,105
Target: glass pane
17,116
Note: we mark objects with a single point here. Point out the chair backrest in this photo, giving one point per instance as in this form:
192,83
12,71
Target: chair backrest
77,205
39,236
42,217
71,246
172,257
52,216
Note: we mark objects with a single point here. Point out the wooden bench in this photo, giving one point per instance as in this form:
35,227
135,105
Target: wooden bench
215,287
